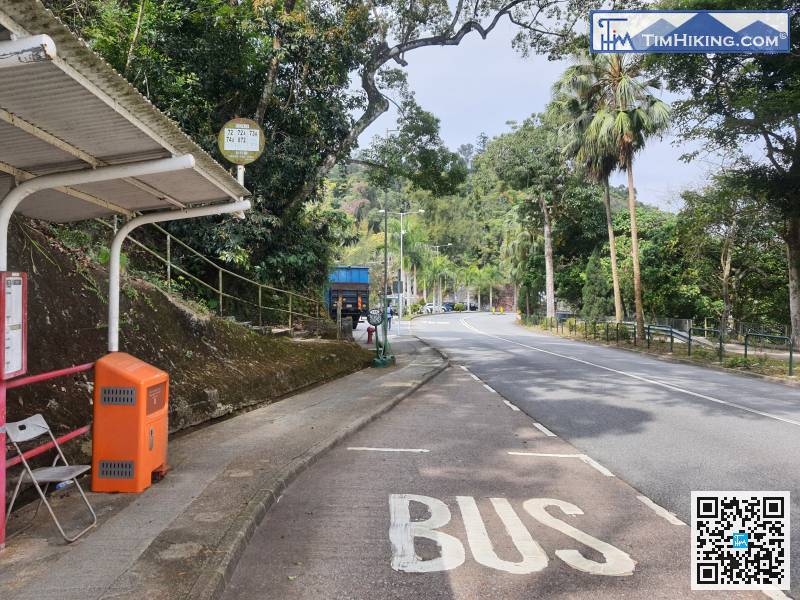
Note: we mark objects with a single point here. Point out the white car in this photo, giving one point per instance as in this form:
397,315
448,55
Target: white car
431,308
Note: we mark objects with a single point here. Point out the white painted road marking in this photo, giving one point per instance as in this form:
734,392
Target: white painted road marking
638,377
543,429
388,449
618,563
587,459
475,377
533,557
509,405
465,368
403,531
490,388
660,511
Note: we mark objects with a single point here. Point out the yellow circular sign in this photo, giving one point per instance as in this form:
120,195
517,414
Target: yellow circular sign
241,141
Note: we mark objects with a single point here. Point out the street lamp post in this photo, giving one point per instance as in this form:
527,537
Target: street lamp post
402,286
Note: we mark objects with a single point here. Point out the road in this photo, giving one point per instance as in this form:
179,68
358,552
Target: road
445,496
665,428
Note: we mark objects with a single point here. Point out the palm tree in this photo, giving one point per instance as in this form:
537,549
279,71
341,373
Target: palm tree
576,107
625,114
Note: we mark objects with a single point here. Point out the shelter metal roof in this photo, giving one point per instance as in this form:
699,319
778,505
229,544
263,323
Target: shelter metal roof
70,110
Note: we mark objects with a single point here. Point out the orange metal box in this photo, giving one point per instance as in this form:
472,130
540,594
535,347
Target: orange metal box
129,433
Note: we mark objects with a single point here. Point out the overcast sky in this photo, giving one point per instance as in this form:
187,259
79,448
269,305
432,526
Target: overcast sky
480,85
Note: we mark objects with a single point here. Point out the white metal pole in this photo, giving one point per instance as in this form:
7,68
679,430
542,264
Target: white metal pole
116,250
27,50
402,288
54,180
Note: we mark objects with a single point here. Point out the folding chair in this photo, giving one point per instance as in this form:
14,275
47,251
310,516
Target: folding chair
29,429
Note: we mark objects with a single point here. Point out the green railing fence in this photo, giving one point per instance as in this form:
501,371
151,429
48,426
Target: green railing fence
667,335
230,294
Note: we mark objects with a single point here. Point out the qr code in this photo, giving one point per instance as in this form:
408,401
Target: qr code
740,540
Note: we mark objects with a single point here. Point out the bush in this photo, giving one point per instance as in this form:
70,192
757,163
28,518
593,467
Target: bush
458,307
415,309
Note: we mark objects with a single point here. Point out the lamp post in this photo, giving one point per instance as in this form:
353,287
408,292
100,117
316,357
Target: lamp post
402,287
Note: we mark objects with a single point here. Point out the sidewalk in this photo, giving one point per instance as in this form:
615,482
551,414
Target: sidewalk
183,536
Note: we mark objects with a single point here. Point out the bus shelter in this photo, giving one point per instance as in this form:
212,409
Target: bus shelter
77,142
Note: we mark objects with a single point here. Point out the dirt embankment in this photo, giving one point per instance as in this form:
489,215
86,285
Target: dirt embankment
216,367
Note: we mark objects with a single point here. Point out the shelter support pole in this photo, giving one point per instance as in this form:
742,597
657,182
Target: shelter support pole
10,203
54,180
125,230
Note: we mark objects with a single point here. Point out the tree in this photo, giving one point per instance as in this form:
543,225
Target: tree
597,294
576,102
727,221
529,161
733,100
397,28
627,114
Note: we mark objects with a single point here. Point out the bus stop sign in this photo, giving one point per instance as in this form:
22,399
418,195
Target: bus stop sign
241,141
13,323
375,317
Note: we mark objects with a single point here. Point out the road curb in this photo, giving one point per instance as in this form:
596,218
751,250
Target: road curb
212,584
682,361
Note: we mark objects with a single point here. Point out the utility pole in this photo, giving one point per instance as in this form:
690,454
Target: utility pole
401,287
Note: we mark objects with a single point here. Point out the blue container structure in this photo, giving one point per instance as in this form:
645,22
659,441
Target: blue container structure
350,286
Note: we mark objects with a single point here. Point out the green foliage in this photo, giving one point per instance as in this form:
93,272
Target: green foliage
598,295
459,307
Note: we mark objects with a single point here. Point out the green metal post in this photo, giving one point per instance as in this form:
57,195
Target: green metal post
671,339
606,332
260,323
719,332
220,292
746,336
647,335
689,351
290,312
169,263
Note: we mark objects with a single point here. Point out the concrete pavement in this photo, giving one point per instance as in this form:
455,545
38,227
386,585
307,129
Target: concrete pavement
457,494
181,537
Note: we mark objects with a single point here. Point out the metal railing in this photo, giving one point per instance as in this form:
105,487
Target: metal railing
785,339
267,305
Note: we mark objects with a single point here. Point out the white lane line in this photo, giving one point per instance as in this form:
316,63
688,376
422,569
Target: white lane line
490,388
475,377
776,595
639,378
543,429
509,405
660,511
465,368
596,465
388,449
582,457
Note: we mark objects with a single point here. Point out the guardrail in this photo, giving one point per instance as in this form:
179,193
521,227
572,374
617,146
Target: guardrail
265,302
786,340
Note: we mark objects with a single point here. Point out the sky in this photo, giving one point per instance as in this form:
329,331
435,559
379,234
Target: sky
480,85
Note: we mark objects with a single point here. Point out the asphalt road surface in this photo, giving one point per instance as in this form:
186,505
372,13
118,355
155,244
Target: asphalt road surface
665,428
457,493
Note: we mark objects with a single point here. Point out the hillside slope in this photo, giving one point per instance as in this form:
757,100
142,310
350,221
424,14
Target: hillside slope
216,367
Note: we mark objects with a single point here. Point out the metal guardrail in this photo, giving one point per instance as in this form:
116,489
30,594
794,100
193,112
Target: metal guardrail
786,340
291,305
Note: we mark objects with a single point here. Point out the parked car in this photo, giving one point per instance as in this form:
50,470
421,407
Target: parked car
430,308
448,306
473,306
